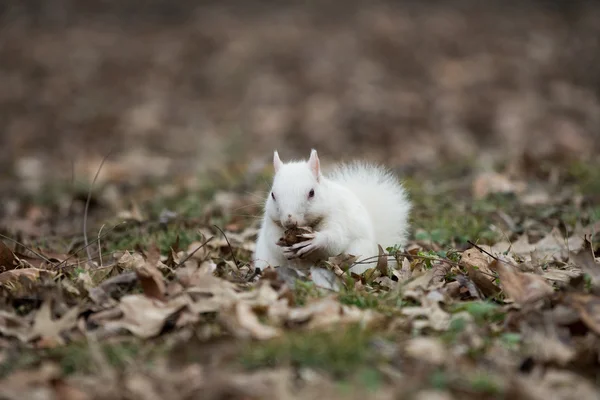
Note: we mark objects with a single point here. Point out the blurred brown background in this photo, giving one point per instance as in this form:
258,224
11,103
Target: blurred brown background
175,86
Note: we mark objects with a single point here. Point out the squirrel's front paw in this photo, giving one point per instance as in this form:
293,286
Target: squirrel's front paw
300,249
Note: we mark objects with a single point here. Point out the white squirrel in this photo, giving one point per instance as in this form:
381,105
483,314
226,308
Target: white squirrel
352,210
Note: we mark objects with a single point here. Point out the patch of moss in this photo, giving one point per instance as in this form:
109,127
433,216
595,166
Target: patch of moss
341,352
585,176
304,291
77,357
164,238
387,303
450,218
483,312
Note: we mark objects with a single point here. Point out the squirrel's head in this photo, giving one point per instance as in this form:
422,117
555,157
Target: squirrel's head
295,197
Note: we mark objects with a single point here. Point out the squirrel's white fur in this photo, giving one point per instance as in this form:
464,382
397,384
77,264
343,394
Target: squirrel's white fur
352,210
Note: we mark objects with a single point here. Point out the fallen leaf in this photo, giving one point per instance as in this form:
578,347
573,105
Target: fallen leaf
15,275
491,182
243,322
546,347
148,274
483,282
521,287
343,261
585,260
475,258
404,273
428,349
382,262
31,383
552,246
326,312
144,316
12,325
7,258
102,293
588,307
49,331
439,272
325,279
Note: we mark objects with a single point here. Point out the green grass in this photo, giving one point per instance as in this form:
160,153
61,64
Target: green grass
76,357
450,220
164,238
586,177
342,352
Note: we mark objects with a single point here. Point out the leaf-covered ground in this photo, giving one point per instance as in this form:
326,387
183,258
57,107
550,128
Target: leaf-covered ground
498,296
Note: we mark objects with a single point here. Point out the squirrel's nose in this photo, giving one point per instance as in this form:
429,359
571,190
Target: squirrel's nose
290,222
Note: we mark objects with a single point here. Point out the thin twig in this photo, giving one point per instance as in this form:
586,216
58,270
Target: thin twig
99,246
30,249
445,260
483,251
194,252
229,244
87,204
87,245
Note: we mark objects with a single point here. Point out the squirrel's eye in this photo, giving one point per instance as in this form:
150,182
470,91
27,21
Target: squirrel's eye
311,193
273,195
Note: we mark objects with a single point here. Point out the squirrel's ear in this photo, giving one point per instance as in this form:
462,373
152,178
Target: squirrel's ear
314,164
276,161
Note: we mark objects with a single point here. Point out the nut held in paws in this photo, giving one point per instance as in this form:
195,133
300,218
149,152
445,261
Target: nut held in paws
292,236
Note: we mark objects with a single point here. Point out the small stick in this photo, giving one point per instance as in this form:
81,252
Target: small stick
99,246
87,204
483,251
229,244
86,246
194,252
30,249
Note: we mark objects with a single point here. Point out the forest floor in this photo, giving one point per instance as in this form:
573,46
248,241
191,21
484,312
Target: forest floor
497,296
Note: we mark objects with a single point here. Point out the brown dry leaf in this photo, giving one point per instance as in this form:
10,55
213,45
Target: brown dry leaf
520,247
49,331
420,281
342,261
483,282
382,262
492,182
101,294
144,316
429,314
208,293
476,258
32,384
7,258
327,311
428,349
439,272
586,261
199,251
521,287
557,384
15,275
556,246
11,325
561,275
552,246
242,322
404,273
150,277
588,307
65,391
547,347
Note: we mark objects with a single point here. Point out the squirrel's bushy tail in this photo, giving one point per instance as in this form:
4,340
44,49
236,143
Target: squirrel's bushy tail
382,195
